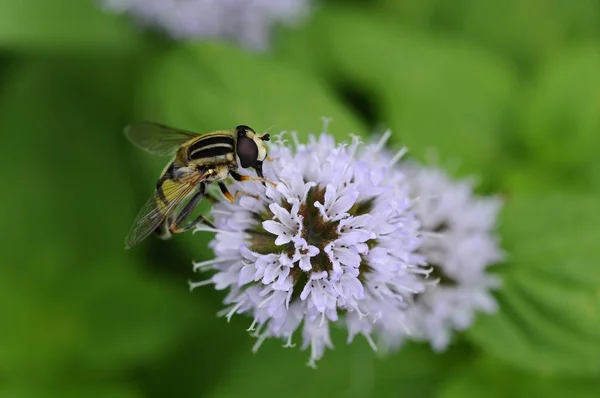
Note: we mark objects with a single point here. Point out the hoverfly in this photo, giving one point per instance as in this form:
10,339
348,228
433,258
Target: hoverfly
199,159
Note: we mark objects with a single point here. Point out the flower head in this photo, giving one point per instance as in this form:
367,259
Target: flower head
335,242
459,246
247,22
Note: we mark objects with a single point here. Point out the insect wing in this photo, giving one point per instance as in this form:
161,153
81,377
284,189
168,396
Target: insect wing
156,210
156,138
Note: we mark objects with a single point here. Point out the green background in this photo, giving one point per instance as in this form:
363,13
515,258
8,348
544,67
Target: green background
508,90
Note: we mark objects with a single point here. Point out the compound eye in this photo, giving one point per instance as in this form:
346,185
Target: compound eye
247,151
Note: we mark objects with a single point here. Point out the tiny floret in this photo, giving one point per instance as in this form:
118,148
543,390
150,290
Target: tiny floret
335,242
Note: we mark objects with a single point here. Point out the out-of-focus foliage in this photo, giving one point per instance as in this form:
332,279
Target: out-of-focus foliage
508,90
74,302
487,377
560,117
206,86
432,91
523,31
63,26
550,302
353,371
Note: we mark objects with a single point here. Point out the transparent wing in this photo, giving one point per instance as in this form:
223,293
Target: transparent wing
156,210
156,138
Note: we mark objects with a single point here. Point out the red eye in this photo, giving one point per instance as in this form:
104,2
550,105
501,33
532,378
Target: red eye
247,151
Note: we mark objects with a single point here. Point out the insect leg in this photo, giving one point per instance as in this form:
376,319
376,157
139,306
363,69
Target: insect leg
199,219
231,197
211,198
259,170
239,177
187,210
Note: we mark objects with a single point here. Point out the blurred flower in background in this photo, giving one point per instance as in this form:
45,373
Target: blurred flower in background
248,22
459,247
335,242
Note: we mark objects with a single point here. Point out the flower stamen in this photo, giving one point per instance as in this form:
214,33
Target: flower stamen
194,285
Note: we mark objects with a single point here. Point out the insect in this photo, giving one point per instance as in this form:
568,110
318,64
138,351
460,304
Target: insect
199,159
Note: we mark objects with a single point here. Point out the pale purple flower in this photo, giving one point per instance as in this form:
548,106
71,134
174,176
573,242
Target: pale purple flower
248,22
334,243
459,246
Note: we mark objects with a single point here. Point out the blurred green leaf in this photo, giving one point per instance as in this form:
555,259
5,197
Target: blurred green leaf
560,116
352,370
526,31
202,357
550,302
538,28
414,12
91,390
522,179
433,92
75,300
60,25
493,379
207,87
